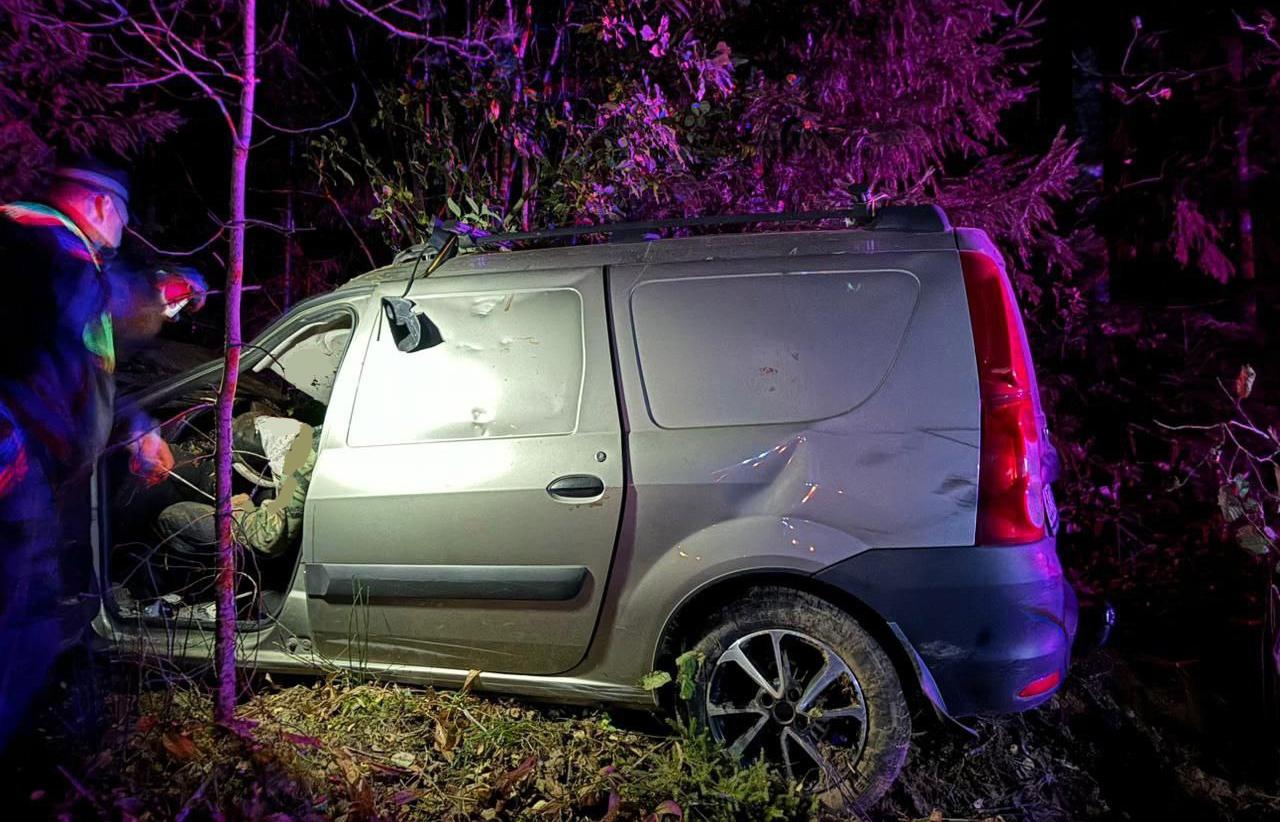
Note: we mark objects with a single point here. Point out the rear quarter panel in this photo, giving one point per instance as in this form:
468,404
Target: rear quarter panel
897,468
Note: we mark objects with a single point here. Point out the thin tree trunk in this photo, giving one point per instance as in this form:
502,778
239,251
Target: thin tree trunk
225,644
288,236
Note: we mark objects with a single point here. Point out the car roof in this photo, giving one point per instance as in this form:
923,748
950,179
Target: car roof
676,250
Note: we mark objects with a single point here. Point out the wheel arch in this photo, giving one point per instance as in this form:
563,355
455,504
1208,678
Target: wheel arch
679,631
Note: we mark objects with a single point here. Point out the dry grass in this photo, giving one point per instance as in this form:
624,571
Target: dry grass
371,751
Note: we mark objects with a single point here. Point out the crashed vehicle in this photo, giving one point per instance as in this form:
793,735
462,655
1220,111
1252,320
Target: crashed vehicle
810,465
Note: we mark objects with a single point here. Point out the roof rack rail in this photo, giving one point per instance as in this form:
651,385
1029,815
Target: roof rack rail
633,231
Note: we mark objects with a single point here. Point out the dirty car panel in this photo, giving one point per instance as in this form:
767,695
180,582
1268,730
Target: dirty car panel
442,478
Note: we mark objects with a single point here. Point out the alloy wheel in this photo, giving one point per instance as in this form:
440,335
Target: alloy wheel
789,697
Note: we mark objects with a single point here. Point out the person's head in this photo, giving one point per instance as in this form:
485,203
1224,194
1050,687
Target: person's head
96,198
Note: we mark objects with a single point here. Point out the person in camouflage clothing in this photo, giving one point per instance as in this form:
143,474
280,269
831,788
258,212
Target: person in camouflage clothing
273,527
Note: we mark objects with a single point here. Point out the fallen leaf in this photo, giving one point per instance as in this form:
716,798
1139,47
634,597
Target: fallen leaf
402,759
350,772
299,739
509,780
667,809
179,745
472,676
615,807
446,736
406,796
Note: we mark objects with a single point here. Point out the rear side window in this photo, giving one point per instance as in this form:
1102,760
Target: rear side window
767,348
510,365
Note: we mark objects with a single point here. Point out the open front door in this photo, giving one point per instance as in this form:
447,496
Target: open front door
465,514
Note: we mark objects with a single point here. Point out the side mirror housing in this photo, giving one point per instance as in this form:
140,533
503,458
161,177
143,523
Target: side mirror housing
411,331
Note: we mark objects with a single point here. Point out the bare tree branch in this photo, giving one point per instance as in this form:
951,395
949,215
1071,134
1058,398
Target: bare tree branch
311,129
171,253
465,47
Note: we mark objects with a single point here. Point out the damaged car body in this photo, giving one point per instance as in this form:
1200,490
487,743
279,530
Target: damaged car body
815,461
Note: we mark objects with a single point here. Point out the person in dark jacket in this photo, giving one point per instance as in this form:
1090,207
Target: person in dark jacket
57,397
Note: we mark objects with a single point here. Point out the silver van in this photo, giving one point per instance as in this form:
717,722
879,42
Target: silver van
812,466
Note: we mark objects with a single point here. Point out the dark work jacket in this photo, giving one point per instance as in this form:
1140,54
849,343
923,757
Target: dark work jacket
57,351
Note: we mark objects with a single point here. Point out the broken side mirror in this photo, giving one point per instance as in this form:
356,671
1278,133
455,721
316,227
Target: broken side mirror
411,331
415,332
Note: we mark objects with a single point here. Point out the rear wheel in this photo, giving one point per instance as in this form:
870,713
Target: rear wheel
792,678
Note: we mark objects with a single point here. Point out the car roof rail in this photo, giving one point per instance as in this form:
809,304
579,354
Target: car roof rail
924,219
889,218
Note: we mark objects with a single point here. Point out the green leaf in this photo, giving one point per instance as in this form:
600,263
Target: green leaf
1229,503
453,207
687,666
1252,540
654,680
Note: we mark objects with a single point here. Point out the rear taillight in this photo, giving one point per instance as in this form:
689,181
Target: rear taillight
1010,488
1040,686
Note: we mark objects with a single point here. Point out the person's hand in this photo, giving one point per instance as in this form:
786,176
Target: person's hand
150,458
181,286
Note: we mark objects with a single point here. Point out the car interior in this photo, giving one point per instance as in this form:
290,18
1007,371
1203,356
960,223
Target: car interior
158,576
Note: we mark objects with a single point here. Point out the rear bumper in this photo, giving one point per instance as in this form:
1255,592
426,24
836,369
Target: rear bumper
985,622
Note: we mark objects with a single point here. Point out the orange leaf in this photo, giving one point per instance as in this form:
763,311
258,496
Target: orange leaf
179,745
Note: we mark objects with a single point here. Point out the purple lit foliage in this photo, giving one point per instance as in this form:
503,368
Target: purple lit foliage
52,97
636,108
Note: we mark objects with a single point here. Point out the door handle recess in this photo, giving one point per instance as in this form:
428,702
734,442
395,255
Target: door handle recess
576,486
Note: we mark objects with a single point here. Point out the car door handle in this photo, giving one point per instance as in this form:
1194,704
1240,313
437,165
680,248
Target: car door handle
576,486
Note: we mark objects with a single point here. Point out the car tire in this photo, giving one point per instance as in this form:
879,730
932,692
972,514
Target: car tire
862,756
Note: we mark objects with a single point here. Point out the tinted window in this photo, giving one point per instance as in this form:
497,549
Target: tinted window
767,348
510,366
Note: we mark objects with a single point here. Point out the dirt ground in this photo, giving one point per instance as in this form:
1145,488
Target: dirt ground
1114,744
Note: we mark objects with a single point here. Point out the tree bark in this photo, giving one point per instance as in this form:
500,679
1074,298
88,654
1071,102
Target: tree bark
289,227
225,642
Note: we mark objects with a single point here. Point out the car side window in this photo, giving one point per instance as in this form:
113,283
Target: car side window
757,349
309,359
511,365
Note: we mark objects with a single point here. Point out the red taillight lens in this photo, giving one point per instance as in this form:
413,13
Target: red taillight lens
1010,490
1041,686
